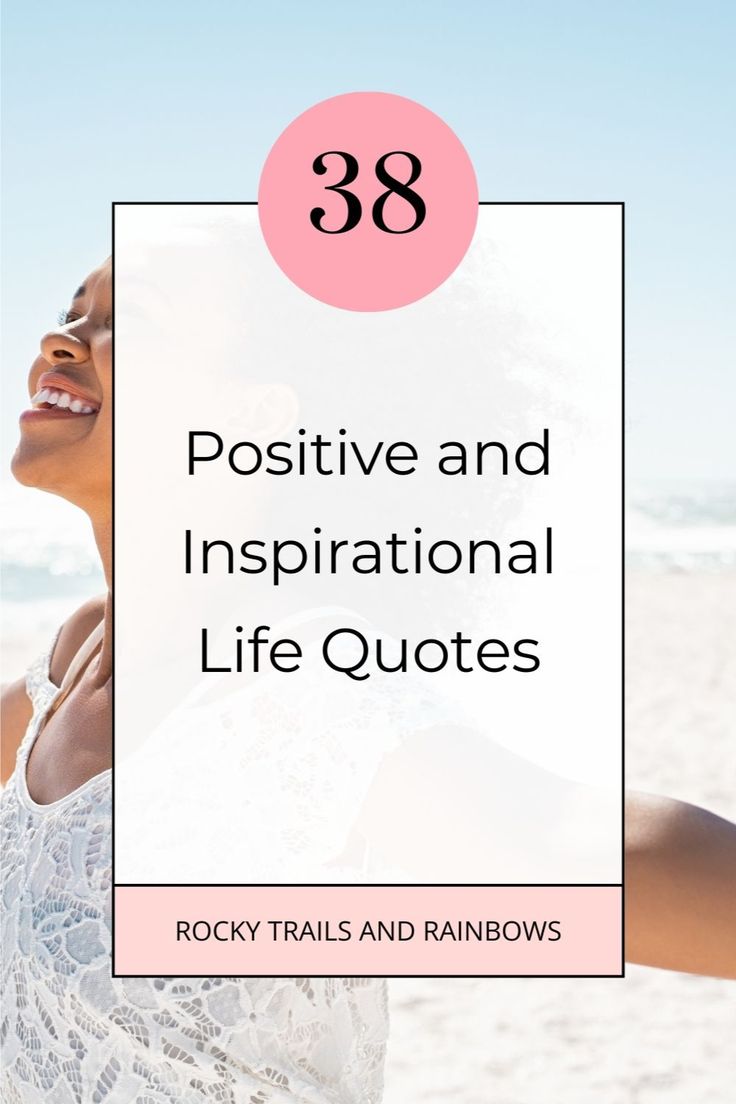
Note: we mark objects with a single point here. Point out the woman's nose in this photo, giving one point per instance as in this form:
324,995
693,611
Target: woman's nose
57,346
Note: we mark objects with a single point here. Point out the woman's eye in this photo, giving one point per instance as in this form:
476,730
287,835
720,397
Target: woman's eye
62,318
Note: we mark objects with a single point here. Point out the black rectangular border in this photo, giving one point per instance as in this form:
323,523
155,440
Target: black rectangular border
495,885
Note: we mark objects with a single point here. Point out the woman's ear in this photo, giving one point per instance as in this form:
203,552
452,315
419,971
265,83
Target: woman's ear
268,412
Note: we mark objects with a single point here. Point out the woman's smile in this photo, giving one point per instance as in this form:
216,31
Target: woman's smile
58,396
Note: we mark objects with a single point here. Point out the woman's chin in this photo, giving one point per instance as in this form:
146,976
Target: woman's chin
20,468
39,470
65,454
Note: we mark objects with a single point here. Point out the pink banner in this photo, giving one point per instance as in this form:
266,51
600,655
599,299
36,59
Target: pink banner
387,930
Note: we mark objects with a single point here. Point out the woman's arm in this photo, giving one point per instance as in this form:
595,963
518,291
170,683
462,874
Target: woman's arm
680,887
15,706
680,859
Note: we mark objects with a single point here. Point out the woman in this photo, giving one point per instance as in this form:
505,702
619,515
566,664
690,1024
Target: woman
70,1031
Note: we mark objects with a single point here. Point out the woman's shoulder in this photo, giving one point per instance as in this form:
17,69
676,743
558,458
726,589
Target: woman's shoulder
17,703
73,634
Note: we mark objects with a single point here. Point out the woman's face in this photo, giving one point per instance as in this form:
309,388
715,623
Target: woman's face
66,434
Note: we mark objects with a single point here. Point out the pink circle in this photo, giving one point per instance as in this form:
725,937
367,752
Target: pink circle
367,268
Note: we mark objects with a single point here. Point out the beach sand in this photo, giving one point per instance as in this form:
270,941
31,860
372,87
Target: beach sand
653,1037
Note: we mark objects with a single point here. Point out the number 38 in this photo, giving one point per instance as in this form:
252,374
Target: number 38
354,209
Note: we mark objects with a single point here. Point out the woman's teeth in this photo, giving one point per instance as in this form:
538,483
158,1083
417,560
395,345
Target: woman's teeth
63,400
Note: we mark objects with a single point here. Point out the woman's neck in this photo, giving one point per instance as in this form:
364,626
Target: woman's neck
102,529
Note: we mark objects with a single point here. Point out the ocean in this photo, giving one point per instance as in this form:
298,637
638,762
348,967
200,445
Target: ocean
681,525
49,562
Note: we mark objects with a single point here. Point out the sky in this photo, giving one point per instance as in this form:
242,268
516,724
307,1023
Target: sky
553,101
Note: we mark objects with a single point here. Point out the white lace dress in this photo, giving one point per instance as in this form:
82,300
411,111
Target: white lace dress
72,1034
